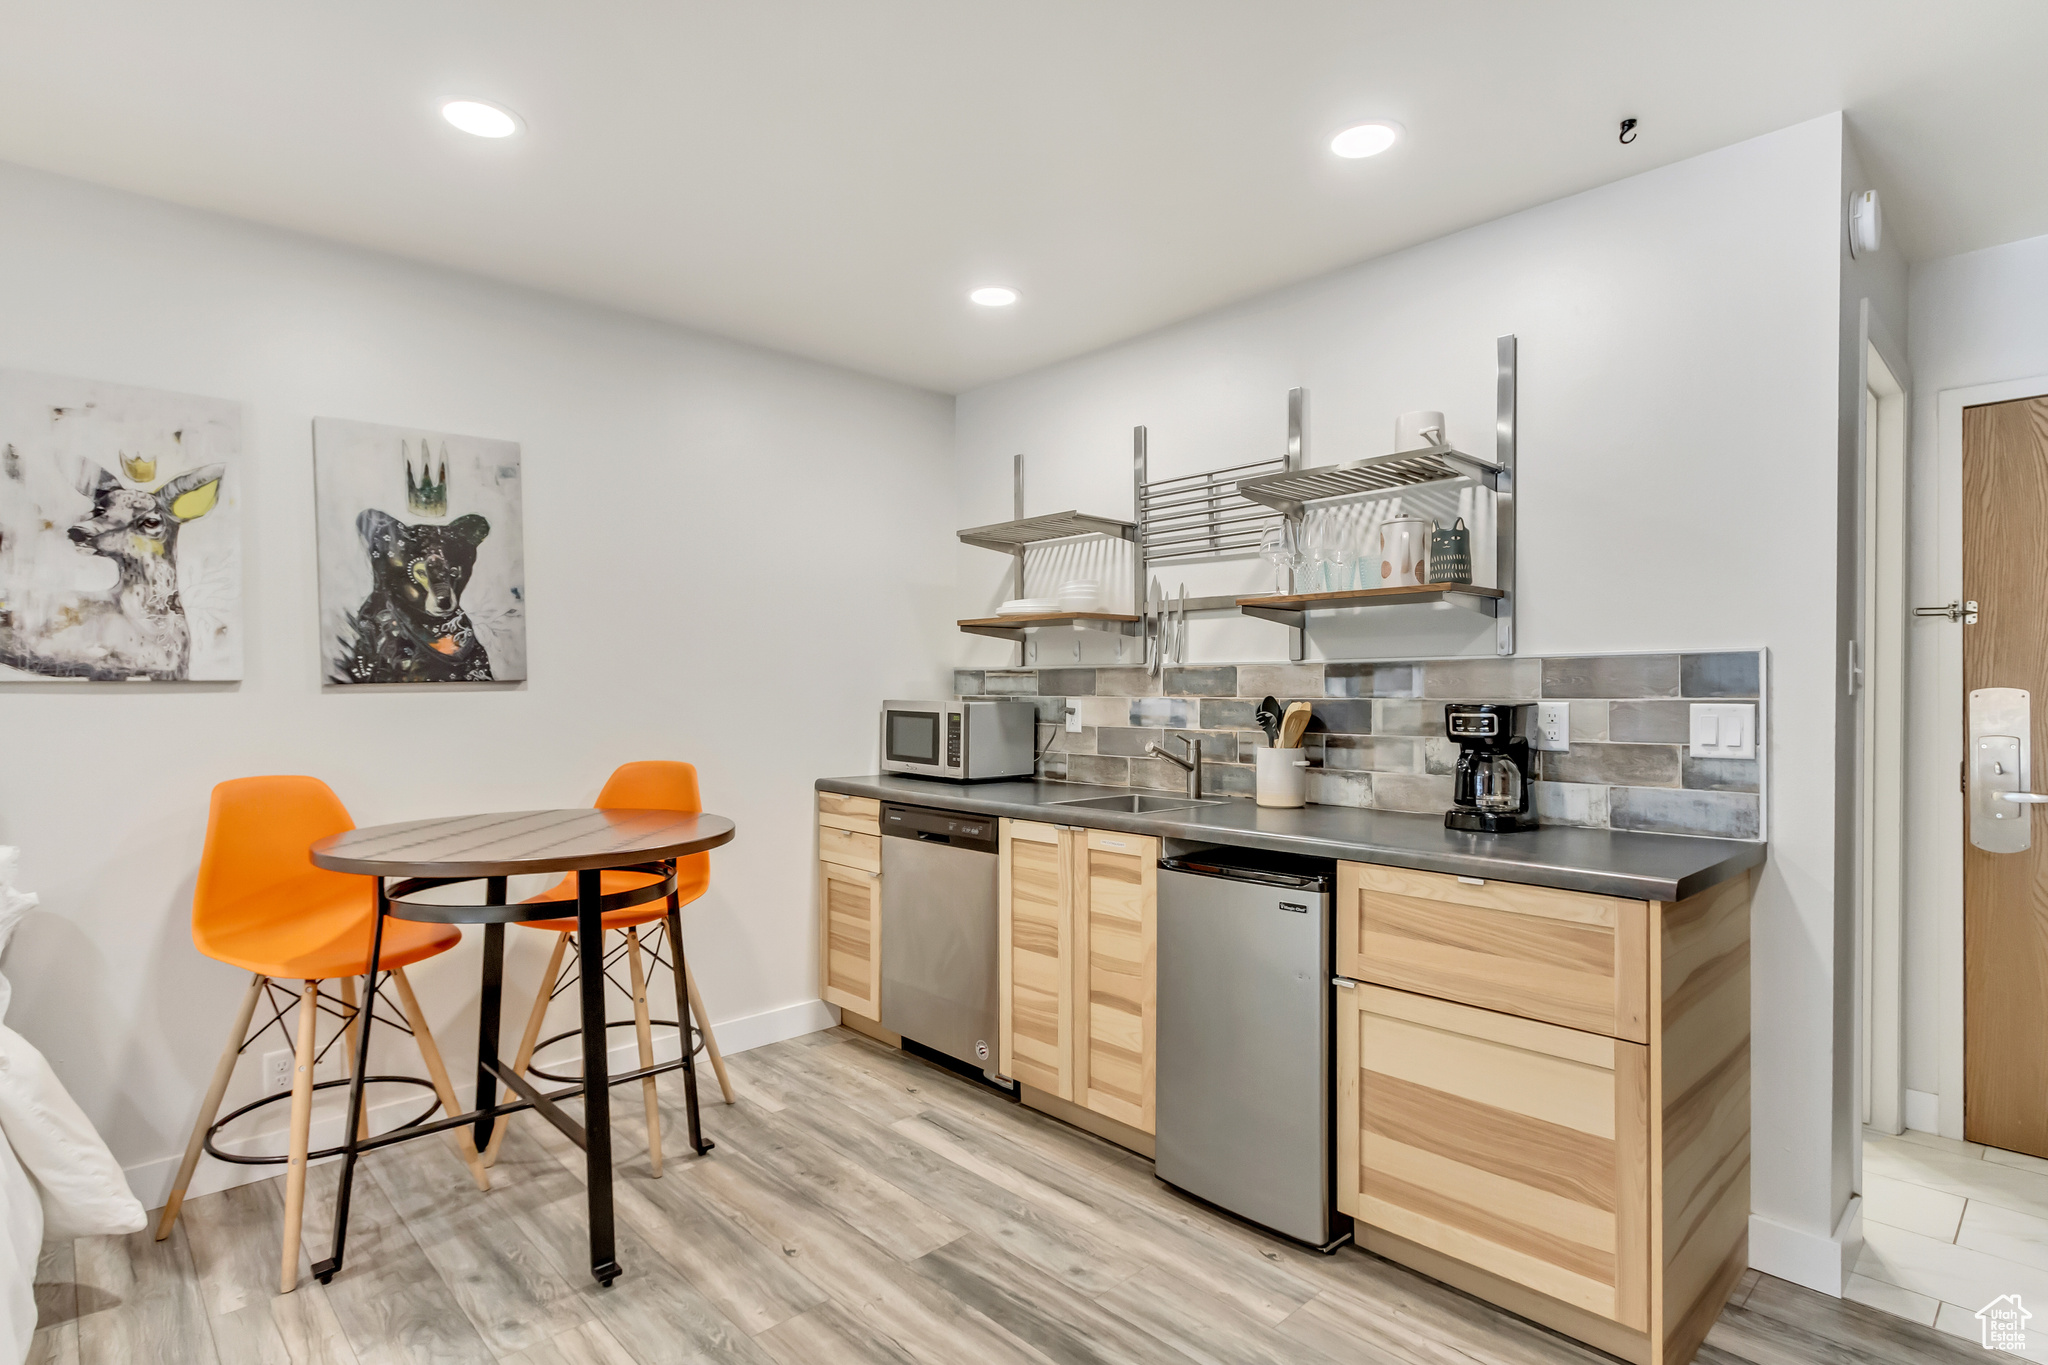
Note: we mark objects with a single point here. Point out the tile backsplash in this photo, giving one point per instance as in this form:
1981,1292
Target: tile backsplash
1377,737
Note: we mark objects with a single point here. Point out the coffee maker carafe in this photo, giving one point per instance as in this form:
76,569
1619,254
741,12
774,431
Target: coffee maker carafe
1491,792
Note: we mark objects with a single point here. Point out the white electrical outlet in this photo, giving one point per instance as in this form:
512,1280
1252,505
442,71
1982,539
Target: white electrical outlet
1073,719
1553,727
1723,730
277,1070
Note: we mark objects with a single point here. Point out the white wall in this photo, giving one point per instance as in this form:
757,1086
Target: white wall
1679,366
731,557
1976,319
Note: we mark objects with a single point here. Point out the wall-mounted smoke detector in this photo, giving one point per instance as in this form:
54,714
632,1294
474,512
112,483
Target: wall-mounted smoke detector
1865,224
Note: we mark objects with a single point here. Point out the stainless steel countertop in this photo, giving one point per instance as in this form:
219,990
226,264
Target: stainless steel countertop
1658,867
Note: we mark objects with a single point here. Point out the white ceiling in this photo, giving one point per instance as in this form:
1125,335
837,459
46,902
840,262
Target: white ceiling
830,177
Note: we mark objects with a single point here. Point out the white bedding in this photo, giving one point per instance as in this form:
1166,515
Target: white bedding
57,1177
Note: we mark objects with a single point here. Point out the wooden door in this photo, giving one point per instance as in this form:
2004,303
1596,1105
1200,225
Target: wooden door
850,923
1116,913
1036,993
1515,1146
2005,895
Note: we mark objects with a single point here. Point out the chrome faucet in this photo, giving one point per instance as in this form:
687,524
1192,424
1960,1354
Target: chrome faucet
1192,763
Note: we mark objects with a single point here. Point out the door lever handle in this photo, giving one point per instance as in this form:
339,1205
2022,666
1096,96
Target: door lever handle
2025,798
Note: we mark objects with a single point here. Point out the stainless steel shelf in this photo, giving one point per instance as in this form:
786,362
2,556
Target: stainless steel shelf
1290,609
1012,628
1291,491
1011,536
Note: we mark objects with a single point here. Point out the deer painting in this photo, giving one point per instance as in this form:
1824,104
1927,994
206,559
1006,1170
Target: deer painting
137,627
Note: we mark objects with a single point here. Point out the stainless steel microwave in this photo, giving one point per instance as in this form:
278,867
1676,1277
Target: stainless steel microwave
976,739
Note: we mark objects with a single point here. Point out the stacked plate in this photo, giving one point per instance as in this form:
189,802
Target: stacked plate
1029,606
1079,595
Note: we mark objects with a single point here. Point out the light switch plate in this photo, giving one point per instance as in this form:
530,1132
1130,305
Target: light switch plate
1553,727
1723,730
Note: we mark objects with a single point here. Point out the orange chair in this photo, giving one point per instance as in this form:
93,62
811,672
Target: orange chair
261,905
650,785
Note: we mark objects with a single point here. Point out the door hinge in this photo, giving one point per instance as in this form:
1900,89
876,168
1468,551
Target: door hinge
1963,776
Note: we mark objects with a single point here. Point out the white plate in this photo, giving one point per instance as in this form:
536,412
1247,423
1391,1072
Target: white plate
1028,606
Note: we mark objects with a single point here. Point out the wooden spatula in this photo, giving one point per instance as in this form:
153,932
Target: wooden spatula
1293,724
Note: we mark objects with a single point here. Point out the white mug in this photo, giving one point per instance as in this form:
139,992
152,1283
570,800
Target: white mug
1419,429
1404,552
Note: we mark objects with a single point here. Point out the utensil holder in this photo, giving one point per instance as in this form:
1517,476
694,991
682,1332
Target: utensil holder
1282,777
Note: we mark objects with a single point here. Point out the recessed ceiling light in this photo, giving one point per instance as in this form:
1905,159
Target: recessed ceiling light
484,120
1366,139
994,296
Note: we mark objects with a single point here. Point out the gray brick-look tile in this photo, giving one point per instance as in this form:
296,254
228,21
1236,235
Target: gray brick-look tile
1010,682
1156,774
1229,713
1612,675
1051,710
1182,713
1213,681
1104,710
1422,792
1373,753
1721,774
1125,682
1649,722
1340,716
1279,680
1229,779
1327,788
1725,815
1570,803
967,682
1732,674
1067,682
1589,720
1218,746
1483,679
1439,755
1080,741
1372,680
1104,772
1408,718
1628,765
1053,765
1126,741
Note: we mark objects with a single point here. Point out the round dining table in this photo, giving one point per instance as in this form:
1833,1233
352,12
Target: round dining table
415,856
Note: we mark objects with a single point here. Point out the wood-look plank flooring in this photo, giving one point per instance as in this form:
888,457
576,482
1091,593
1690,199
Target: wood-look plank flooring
861,1207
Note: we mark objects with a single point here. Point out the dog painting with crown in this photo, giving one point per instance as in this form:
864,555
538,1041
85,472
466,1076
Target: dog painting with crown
120,537
436,595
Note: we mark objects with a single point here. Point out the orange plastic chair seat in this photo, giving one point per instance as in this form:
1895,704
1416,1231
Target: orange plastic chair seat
319,933
631,917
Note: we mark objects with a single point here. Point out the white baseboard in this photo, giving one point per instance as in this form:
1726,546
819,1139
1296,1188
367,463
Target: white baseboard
1923,1111
1821,1264
151,1180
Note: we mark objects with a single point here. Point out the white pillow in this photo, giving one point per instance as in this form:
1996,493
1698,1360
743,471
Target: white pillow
22,1216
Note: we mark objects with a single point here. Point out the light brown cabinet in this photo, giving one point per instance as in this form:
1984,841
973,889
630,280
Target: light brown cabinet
850,903
1543,1098
1078,996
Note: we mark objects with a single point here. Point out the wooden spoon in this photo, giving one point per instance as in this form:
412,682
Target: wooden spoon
1293,724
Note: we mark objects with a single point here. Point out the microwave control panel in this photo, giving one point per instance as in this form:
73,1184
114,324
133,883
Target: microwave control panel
952,739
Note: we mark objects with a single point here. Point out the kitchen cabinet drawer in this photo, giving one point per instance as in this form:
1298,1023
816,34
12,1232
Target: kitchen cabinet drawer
850,938
1563,957
850,849
861,814
1115,979
1035,899
1517,1147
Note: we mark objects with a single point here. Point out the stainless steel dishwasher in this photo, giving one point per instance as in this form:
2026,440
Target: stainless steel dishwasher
939,931
1245,1038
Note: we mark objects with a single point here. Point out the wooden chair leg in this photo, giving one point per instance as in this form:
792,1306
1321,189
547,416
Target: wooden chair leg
527,1041
465,1141
704,1024
302,1128
348,1054
646,1032
209,1108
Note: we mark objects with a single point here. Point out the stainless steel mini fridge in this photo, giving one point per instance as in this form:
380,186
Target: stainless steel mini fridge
1245,1037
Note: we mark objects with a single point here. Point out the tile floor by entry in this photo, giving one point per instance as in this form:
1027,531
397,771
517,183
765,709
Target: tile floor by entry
1949,1226
862,1208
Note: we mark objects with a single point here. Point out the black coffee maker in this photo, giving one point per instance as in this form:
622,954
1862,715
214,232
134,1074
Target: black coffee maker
1492,786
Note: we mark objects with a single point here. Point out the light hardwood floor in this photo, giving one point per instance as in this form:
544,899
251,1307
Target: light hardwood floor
861,1207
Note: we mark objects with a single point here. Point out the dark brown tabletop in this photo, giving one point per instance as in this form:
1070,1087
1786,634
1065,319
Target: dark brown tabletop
511,843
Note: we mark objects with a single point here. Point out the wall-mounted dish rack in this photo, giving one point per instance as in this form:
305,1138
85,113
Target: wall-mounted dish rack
1223,513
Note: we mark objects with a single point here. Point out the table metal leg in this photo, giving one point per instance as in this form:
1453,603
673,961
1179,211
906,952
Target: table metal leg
597,1098
489,1007
675,946
325,1270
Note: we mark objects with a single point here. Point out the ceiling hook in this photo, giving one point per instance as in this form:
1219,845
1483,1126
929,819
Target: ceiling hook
1628,131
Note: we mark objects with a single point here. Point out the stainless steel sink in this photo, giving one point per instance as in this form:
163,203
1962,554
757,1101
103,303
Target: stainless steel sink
1136,804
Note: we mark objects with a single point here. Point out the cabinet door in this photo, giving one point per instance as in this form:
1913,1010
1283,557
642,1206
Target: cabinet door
1116,912
850,950
1035,899
1518,1147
